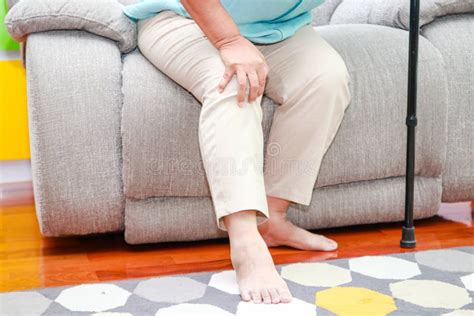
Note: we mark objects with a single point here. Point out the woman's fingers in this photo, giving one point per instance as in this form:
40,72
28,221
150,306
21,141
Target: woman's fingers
256,79
247,61
225,79
242,81
262,79
254,85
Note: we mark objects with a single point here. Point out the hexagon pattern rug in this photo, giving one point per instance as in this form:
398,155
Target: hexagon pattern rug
431,282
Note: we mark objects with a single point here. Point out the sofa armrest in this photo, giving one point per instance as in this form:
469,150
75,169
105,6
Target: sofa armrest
74,109
101,17
396,13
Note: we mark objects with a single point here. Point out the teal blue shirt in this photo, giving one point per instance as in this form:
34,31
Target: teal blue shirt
260,21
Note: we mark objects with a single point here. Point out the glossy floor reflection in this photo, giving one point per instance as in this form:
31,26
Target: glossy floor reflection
28,260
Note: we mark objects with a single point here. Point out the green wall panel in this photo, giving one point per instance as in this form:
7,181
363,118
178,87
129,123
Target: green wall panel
6,42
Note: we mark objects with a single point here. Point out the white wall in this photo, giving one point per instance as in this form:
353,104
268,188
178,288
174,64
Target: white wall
15,183
12,171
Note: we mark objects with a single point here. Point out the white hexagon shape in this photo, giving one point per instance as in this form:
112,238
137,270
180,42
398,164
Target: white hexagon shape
446,260
192,309
384,267
460,312
296,307
225,281
93,297
316,274
170,289
430,293
468,281
13,303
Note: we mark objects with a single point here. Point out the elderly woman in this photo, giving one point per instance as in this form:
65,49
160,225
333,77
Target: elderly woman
229,53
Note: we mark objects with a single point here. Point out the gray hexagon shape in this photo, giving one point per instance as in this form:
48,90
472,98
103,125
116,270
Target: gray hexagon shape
446,260
170,289
14,303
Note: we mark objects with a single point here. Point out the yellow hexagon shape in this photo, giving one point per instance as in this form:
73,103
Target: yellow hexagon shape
355,301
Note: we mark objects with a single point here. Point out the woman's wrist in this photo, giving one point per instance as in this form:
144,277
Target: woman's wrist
228,40
214,21
241,58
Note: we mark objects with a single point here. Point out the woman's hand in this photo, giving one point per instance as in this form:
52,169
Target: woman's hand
243,59
239,55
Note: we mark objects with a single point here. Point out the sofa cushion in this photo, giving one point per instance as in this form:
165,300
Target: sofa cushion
101,17
192,218
396,13
161,154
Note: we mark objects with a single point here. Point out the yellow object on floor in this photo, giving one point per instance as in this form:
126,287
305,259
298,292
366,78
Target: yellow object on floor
13,111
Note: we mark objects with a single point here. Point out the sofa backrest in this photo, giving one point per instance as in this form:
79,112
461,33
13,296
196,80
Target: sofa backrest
323,13
393,13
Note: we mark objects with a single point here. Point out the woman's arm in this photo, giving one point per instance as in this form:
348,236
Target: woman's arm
239,55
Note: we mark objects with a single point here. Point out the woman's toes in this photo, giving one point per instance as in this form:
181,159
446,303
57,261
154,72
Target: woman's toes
245,294
275,295
267,299
285,295
332,245
256,296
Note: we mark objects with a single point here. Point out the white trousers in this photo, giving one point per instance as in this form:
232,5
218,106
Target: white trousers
307,78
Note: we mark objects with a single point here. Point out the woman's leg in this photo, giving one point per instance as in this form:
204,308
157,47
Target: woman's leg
256,273
231,144
310,81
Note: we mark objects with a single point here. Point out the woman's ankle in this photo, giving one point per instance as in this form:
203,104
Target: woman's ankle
276,204
241,223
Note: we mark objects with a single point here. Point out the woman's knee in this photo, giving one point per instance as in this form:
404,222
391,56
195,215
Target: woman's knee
316,80
224,106
335,75
229,95
332,83
322,88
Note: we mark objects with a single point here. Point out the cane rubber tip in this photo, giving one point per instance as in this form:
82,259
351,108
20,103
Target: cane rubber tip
408,237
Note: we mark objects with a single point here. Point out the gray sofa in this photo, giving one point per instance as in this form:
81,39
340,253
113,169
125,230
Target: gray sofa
114,143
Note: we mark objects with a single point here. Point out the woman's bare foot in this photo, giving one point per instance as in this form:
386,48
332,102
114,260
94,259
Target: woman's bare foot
257,277
278,231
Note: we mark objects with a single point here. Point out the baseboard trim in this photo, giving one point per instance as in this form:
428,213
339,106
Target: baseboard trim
16,193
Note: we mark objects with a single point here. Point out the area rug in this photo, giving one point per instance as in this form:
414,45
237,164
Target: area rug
432,282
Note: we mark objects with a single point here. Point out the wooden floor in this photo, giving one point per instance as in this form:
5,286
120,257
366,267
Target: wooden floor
28,260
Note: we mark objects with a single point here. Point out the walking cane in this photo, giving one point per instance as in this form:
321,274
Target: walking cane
408,230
